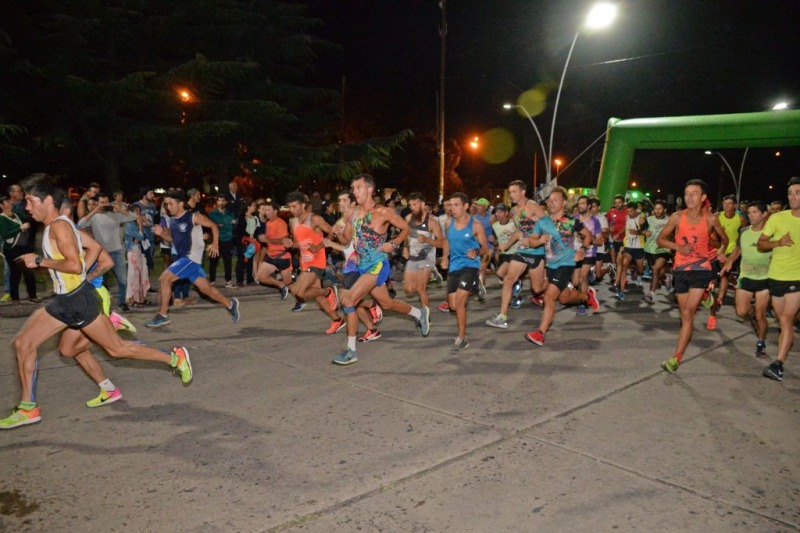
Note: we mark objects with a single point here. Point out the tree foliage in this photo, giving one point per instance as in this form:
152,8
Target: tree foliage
170,91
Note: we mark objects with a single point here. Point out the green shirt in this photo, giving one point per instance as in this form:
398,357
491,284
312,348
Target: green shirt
225,222
755,264
785,265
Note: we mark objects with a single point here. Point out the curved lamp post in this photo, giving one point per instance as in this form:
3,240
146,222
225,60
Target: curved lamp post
737,182
535,129
600,16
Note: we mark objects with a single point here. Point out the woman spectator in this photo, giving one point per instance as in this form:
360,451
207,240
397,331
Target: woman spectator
138,274
245,227
15,237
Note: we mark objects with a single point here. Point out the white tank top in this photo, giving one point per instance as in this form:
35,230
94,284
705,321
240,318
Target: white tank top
63,282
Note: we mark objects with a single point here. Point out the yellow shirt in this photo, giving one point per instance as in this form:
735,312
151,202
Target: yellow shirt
731,226
785,264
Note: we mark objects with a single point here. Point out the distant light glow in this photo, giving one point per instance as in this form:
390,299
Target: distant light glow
780,106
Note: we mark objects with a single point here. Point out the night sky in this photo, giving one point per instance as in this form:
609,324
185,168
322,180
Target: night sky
659,58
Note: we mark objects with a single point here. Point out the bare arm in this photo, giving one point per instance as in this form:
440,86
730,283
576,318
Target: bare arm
95,253
202,220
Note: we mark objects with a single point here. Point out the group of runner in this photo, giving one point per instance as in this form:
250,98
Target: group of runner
559,253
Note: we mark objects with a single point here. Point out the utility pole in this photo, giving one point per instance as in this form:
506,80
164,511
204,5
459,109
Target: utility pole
443,36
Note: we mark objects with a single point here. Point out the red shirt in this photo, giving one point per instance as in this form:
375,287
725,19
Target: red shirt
616,223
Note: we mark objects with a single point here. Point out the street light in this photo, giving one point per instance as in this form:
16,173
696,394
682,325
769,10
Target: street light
538,135
474,143
780,106
557,163
599,17
737,183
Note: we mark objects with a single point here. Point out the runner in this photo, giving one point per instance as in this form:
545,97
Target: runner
505,232
486,219
600,269
753,273
580,278
186,234
732,222
688,233
277,258
424,236
780,234
367,224
528,257
656,256
75,305
633,252
464,246
307,232
556,232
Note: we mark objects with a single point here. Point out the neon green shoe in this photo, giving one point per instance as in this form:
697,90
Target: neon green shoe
20,417
105,397
6,298
671,365
184,365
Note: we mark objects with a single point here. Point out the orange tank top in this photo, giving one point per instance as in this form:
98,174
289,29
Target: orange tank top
696,235
307,237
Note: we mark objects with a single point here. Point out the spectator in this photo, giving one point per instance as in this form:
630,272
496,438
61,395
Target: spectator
91,192
138,273
26,238
104,222
226,222
246,226
14,233
149,214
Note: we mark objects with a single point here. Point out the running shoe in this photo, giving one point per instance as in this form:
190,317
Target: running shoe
581,310
157,322
773,371
370,335
20,417
761,349
298,306
481,290
711,325
620,295
333,298
336,326
459,344
424,323
284,292
121,323
444,308
184,364
498,322
708,296
668,281
516,290
234,310
537,300
376,313
124,308
178,302
516,303
437,276
230,285
671,365
592,277
536,337
648,297
347,357
591,300
105,397
6,298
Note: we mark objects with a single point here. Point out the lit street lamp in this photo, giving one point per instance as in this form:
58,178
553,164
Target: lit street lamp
599,17
557,162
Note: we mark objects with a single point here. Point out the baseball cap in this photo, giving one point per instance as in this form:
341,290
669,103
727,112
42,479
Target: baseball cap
483,201
501,207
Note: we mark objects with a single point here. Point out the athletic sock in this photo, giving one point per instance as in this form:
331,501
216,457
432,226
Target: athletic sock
504,317
351,343
27,406
679,356
415,312
107,386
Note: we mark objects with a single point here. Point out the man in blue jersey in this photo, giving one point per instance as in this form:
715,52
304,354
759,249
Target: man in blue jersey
464,245
185,232
556,233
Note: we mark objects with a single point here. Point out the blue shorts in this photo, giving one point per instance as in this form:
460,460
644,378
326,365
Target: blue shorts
185,268
381,270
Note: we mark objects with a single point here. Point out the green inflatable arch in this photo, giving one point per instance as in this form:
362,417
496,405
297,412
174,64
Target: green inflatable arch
624,137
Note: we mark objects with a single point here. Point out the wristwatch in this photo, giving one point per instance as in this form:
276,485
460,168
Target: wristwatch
38,260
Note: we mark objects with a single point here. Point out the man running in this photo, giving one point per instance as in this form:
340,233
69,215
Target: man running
731,221
367,224
464,245
633,252
780,234
308,232
753,273
277,259
186,234
656,256
75,305
556,233
486,219
580,278
528,257
424,236
688,233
